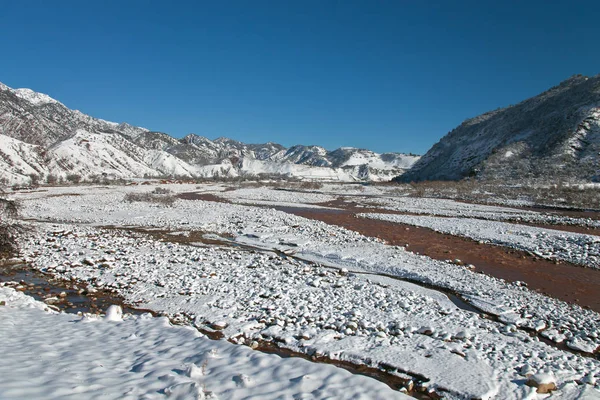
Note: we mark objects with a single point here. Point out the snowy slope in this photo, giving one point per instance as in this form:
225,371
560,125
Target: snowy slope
48,355
19,159
34,97
36,118
49,139
553,134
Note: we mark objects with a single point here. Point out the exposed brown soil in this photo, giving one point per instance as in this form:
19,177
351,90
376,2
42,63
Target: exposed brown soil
63,195
354,207
565,212
202,196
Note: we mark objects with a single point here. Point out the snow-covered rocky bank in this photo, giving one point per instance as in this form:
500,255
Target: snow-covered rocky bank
546,243
49,355
380,197
452,208
311,309
274,197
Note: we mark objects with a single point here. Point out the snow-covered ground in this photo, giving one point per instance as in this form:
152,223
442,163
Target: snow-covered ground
47,355
274,197
385,198
308,308
451,208
547,243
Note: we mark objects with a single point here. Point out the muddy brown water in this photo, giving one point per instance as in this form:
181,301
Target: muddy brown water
370,208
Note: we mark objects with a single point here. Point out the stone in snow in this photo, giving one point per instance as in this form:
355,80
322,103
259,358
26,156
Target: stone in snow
544,383
194,372
114,313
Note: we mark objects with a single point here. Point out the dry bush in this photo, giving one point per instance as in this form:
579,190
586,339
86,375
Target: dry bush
9,228
74,178
159,199
51,179
311,185
159,190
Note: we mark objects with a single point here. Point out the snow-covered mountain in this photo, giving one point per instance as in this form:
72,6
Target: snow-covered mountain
42,139
555,135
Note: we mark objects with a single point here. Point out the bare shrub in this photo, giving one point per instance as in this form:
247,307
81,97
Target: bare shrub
74,178
8,226
34,180
151,197
311,185
159,190
51,179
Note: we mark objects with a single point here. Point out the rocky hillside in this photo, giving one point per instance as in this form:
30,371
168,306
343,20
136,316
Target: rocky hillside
555,135
42,139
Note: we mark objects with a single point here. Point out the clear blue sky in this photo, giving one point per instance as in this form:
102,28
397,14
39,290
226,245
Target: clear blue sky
384,75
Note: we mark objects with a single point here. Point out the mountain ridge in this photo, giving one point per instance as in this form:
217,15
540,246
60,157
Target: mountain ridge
555,134
55,141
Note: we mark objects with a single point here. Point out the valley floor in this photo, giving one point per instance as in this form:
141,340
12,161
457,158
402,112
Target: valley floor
295,271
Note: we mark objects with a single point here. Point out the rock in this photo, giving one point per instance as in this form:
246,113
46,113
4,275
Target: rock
305,335
590,379
526,370
114,313
426,330
194,372
50,300
219,325
544,383
540,325
242,380
581,344
315,282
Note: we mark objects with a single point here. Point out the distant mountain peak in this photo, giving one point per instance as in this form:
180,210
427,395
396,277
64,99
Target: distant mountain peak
34,97
29,95
192,138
